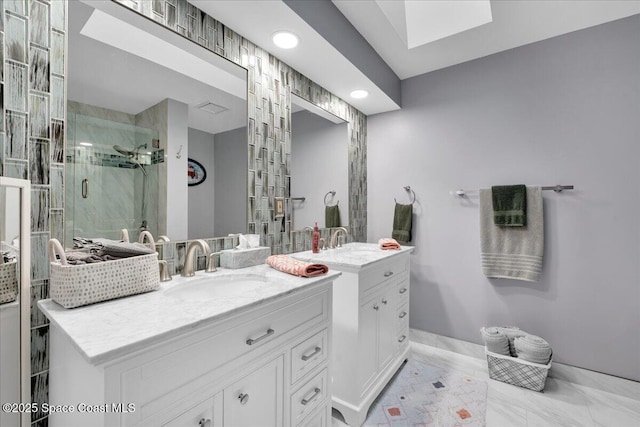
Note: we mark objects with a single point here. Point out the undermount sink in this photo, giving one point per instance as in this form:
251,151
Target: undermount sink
209,287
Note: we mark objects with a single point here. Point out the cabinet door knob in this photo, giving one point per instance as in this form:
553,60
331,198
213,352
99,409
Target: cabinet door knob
204,423
252,341
388,273
376,307
384,301
316,393
403,290
306,357
244,398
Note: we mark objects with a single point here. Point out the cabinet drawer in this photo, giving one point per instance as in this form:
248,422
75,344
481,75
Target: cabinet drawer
308,397
198,415
383,271
308,354
317,419
159,382
403,291
402,318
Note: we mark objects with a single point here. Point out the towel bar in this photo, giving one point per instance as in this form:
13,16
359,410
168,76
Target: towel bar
407,188
556,188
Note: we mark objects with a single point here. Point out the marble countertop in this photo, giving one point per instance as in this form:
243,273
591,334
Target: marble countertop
107,330
352,256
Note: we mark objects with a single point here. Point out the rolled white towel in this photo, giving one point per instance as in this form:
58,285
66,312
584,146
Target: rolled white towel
495,340
512,332
533,349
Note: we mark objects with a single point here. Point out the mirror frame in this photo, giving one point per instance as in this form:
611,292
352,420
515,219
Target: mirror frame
24,291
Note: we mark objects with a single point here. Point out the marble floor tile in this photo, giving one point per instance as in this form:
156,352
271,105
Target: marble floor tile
563,403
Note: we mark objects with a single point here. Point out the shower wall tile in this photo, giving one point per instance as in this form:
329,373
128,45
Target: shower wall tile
39,256
39,290
39,353
39,164
39,209
1,49
39,23
57,97
39,394
16,38
2,155
57,141
16,135
57,224
58,16
57,187
16,169
16,6
39,116
57,51
39,72
16,81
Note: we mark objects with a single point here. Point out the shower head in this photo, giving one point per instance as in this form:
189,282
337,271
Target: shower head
123,151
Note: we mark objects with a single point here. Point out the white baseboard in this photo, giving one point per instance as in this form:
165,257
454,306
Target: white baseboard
573,374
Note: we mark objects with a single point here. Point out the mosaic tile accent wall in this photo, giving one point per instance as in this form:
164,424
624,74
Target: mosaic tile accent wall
32,99
271,83
174,252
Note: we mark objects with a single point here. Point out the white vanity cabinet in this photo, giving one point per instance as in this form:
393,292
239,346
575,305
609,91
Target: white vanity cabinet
370,322
267,365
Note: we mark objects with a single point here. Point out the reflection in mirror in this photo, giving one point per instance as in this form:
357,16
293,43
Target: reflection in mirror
142,101
320,166
14,298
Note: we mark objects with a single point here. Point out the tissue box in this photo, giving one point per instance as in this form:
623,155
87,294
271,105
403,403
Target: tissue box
241,258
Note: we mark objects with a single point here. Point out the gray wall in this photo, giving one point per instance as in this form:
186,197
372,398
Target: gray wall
319,163
230,178
561,111
202,196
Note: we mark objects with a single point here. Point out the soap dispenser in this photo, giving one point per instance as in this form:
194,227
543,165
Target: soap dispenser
315,238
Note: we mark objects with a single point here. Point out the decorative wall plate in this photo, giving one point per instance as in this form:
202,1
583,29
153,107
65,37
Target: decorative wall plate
196,173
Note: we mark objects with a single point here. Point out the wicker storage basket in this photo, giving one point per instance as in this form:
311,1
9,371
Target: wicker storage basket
512,370
77,285
8,281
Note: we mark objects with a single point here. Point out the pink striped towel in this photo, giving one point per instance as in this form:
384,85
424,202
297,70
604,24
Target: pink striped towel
289,265
388,243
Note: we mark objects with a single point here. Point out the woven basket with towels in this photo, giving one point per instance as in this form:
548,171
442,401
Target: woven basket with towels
77,285
516,357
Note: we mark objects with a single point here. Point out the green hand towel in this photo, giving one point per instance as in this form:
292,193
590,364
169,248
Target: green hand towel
332,216
402,218
509,205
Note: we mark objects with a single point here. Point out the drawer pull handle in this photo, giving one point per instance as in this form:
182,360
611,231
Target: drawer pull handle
402,338
403,290
384,301
376,307
306,357
388,274
244,398
252,341
404,313
316,393
204,423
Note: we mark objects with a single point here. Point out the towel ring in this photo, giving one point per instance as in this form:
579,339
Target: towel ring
407,188
333,193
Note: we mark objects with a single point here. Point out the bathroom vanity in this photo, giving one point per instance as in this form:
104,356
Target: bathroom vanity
370,322
245,347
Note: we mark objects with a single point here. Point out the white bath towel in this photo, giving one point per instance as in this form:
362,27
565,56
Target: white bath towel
512,252
533,349
495,340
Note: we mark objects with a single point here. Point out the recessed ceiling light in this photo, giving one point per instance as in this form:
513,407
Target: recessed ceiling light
359,94
285,39
86,144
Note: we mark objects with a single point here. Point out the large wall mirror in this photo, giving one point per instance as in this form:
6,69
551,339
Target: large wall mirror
15,299
142,102
320,166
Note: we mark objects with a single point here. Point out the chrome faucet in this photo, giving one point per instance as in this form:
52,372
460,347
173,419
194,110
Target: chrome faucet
188,269
334,237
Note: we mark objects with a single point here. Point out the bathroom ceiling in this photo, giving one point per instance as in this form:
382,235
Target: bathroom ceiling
513,23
